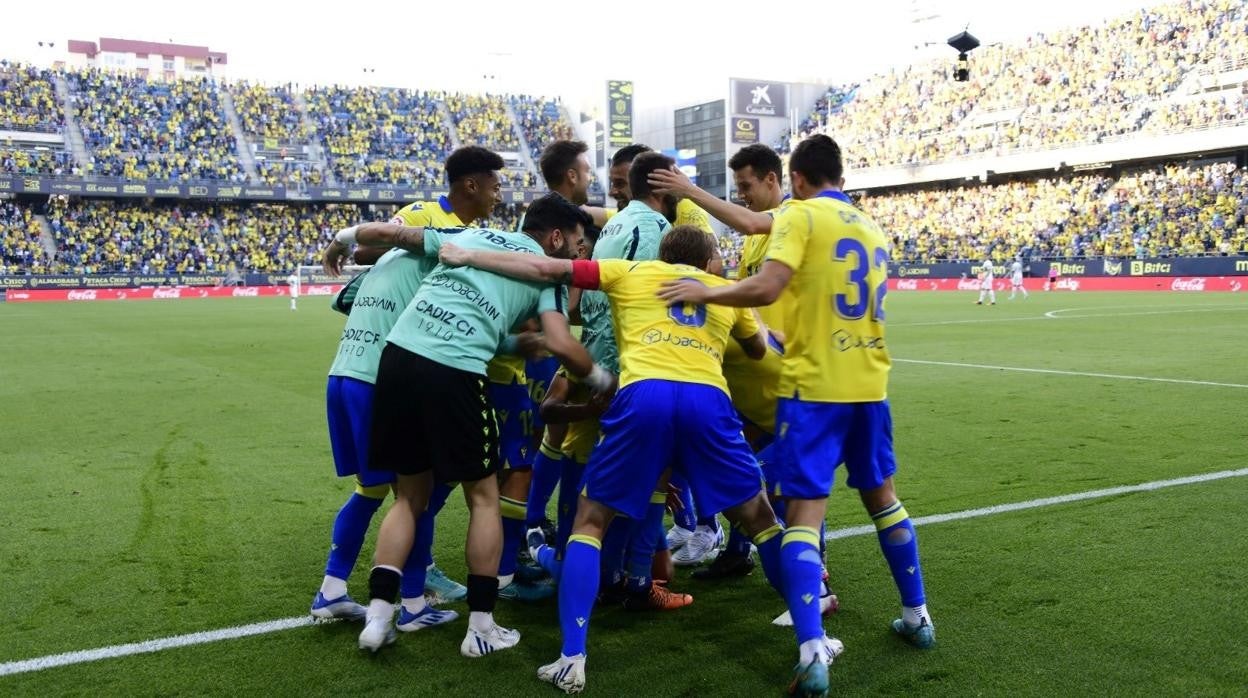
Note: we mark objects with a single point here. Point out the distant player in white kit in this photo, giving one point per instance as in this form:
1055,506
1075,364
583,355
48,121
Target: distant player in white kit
292,282
1016,278
987,275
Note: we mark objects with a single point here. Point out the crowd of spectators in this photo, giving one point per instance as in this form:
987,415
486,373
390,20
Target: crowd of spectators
43,161
28,99
20,248
101,236
269,113
1082,85
1212,112
483,120
1165,211
291,173
139,129
541,120
381,136
833,101
279,237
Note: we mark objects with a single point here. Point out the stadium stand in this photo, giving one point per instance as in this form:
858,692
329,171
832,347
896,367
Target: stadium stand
1050,90
14,160
139,129
541,120
482,120
20,249
269,113
28,99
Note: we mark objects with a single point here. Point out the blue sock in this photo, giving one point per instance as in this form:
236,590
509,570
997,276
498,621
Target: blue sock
823,541
803,573
612,547
901,550
643,541
350,526
577,600
569,492
513,533
418,561
686,518
548,558
738,543
769,545
437,500
711,522
546,471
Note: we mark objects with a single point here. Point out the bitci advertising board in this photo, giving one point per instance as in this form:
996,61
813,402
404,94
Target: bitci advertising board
759,98
744,130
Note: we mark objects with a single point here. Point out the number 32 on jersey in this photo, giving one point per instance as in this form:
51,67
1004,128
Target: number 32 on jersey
859,299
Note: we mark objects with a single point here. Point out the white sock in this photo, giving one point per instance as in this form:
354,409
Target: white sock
480,621
415,605
914,616
1024,293
812,651
377,608
333,587
992,296
505,579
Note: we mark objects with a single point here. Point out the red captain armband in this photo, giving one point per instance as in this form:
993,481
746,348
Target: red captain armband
585,274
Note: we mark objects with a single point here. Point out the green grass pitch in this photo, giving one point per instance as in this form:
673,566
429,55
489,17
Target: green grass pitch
167,471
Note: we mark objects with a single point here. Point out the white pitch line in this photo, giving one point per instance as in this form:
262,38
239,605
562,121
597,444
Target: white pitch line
1052,315
1056,372
80,657
1046,501
165,643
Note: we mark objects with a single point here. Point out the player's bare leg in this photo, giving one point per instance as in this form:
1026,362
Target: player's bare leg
482,549
394,543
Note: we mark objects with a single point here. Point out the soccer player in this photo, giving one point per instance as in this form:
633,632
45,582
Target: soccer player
382,295
566,169
292,282
440,346
1016,278
633,234
670,357
834,384
987,275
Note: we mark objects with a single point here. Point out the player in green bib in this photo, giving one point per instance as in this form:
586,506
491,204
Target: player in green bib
432,418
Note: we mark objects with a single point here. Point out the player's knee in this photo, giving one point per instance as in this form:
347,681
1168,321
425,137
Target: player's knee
592,518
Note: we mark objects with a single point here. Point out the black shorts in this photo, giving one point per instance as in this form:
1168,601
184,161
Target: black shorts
427,416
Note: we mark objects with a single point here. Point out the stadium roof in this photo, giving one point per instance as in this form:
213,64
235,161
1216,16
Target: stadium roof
146,48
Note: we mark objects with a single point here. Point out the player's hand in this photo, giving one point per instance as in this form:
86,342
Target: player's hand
454,256
335,255
671,181
683,291
673,499
599,402
531,345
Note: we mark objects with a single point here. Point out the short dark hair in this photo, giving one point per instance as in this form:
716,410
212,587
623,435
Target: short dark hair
592,232
818,159
687,244
558,158
628,153
553,211
639,172
759,157
470,160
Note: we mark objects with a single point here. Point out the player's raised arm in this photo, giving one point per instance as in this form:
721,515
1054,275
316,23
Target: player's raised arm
555,408
572,354
516,265
739,218
371,235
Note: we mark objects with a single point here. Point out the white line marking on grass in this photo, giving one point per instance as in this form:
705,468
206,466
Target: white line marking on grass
1085,374
165,643
1054,315
1046,502
58,660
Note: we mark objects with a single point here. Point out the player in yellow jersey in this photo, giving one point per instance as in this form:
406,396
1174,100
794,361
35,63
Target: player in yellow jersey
670,359
834,384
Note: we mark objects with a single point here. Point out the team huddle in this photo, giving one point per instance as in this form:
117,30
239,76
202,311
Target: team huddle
460,365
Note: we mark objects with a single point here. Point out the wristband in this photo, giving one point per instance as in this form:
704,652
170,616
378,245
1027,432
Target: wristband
346,236
599,379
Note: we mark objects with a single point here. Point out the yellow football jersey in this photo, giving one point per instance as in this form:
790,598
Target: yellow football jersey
754,385
583,435
689,213
684,343
835,348
434,214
